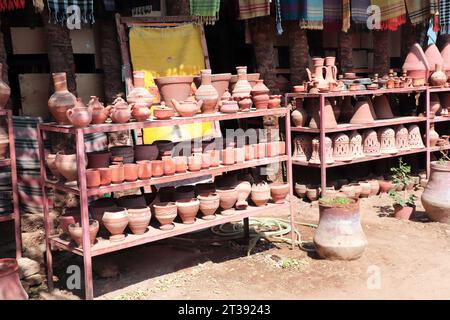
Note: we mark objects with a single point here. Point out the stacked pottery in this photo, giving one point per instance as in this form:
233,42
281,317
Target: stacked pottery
382,107
371,144
76,232
356,145
207,93
165,213
260,194
279,192
402,138
116,220
260,95
387,140
242,87
139,219
66,164
302,147
5,90
174,87
62,100
79,116
99,112
416,64
70,216
209,203
139,93
328,116
188,209
243,189
341,147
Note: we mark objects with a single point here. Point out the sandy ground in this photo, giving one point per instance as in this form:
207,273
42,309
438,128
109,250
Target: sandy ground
403,260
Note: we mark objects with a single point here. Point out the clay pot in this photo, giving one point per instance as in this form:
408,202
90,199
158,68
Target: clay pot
274,101
187,210
214,157
433,57
300,189
140,110
249,152
79,116
243,189
139,219
5,90
328,116
402,138
366,189
299,116
207,93
115,221
209,205
162,112
98,159
66,164
229,107
157,168
433,136
165,213
312,193
70,216
50,159
387,140
145,152
105,176
228,197
364,113
244,103
357,189
120,111
175,87
92,178
260,194
339,235
385,185
180,164
195,162
76,232
260,95
127,152
144,169
139,93
436,196
403,213
228,156
184,193
348,191
165,148
99,112
98,207
374,187
10,286
279,192
242,88
59,102
117,173
416,64
169,165
220,82
382,107
239,155
438,78
260,150
251,78
131,171
187,108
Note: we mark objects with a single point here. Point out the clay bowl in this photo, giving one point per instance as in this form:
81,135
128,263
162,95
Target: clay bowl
184,193
165,148
260,194
127,152
300,189
66,164
163,113
188,209
70,216
76,232
279,192
131,201
165,213
98,159
174,87
139,219
166,194
145,152
209,205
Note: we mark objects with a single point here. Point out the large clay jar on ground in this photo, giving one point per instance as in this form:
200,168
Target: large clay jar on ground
138,219
10,286
382,107
207,93
5,90
99,112
209,203
436,196
76,232
175,87
116,220
139,92
188,209
165,213
339,235
260,194
279,192
243,189
260,95
62,100
66,164
328,116
416,64
242,88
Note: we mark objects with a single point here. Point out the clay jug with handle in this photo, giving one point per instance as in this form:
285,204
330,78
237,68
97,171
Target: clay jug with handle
318,73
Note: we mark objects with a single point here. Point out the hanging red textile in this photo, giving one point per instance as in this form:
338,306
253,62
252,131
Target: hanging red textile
8,5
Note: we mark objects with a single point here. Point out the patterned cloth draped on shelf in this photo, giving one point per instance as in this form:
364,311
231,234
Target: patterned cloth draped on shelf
253,8
393,13
332,15
204,11
58,9
420,11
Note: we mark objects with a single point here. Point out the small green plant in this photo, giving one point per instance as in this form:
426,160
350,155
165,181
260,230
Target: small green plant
401,175
444,157
333,201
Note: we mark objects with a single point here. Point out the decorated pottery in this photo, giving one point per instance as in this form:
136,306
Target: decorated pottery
76,232
139,93
208,205
402,138
60,101
302,147
139,219
386,137
279,192
66,164
356,145
315,153
207,93
115,221
341,147
260,95
371,143
438,78
242,88
165,213
174,87
140,110
244,103
260,194
187,108
187,210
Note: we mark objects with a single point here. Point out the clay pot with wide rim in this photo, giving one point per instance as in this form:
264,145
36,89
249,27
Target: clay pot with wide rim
105,176
181,165
62,100
120,111
98,207
312,193
79,116
157,168
5,90
300,189
163,112
228,197
145,152
115,221
207,93
209,203
174,87
279,191
99,112
339,235
139,219
260,194
187,108
131,171
165,213
243,189
93,178
139,92
188,209
195,162
10,286
76,232
436,196
98,159
274,101
242,88
66,165
228,156
117,173
144,169
165,148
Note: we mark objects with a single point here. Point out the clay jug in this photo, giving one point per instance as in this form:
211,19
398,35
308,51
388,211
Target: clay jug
433,57
10,286
242,87
207,93
140,109
382,107
331,75
445,53
363,112
435,104
438,78
243,191
260,95
187,108
436,196
62,100
139,92
299,115
434,136
347,110
5,90
318,73
80,116
120,111
328,116
99,112
416,64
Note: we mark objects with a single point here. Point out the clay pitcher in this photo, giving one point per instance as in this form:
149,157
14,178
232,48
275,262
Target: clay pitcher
139,92
318,73
416,64
5,90
10,286
80,116
436,196
207,93
62,100
120,111
99,112
187,108
331,75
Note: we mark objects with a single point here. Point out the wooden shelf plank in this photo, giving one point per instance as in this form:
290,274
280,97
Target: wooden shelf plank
355,93
439,119
439,148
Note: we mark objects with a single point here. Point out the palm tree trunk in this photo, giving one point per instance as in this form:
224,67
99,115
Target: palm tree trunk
3,58
177,7
345,51
381,59
298,52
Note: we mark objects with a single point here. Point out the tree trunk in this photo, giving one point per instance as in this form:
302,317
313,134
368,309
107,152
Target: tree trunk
298,52
345,55
408,39
3,58
60,52
442,40
177,7
381,59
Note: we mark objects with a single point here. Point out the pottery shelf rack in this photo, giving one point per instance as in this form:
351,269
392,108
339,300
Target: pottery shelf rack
103,246
378,123
11,162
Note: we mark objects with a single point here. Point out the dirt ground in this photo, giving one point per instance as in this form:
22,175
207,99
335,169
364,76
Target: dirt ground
403,260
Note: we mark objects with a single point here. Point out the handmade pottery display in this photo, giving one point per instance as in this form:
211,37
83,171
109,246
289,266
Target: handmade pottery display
260,149
438,78
382,107
239,154
279,191
435,198
228,197
70,216
260,95
61,100
328,116
165,213
115,221
99,112
260,194
188,209
163,112
416,64
385,185
242,88
66,164
209,203
138,219
371,143
117,173
315,154
243,189
174,87
386,137
120,111
79,116
76,232
98,159
187,108
139,93
366,189
207,93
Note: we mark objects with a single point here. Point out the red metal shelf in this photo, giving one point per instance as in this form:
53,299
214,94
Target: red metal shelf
378,123
355,93
437,89
439,119
105,246
5,162
434,149
6,217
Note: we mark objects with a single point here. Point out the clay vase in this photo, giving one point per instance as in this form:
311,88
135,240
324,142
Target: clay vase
169,165
299,116
98,159
387,140
260,194
195,162
117,173
244,103
433,58
62,100
279,192
139,219
331,74
120,111
242,88
436,196
228,197
79,116
51,163
433,135
5,90
174,87
92,178
165,213
180,164
187,210
131,171
243,189
139,93
260,95
207,93
76,232
163,112
416,64
115,221
209,205
438,78
66,164
339,235
363,113
274,101
10,286
328,116
157,168
140,110
371,144
382,107
99,112
187,108
445,54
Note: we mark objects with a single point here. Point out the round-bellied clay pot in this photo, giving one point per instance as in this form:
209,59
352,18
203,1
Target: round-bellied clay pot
51,158
244,103
169,165
165,213
126,152
215,157
274,101
66,164
243,189
145,152
163,112
260,194
76,232
93,178
131,201
174,87
61,100
195,162
339,235
403,213
180,164
188,209
120,111
157,168
184,193
99,112
260,95
438,78
131,171
300,189
117,173
138,219
312,193
70,216
98,159
228,197
228,156
209,205
436,196
79,116
5,90
165,148
144,169
242,88
279,192
204,189
10,286
207,93
299,115
139,92
98,207
115,221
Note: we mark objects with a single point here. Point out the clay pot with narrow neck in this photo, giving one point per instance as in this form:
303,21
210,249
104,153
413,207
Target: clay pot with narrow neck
188,209
66,165
260,194
207,93
279,192
5,90
242,88
115,221
76,232
243,189
139,92
260,95
328,116
209,203
174,87
165,213
139,219
438,78
434,136
120,111
331,74
318,73
436,196
416,64
62,100
99,112
299,115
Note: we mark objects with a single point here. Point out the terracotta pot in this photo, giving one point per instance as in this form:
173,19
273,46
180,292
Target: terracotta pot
402,138
244,103
299,115
51,164
415,137
228,156
272,149
165,148
239,155
70,216
98,207
357,189
318,73
229,107
300,189
165,213
187,108
220,81
260,150
374,187
79,116
207,93
169,165
312,193
260,95
385,185
98,159
438,78
249,152
138,219
117,173
131,171
436,196
209,205
387,140
260,194
274,102
339,235
92,178
242,88
175,87
206,160
76,232
162,112
145,152
227,180
180,164
187,210
366,189
66,164
403,213
328,116
5,90
127,152
214,157
416,64
228,197
341,147
59,102
144,169
120,111
10,286
184,193
348,191
140,110
115,221
435,104
139,92
364,113
157,168
195,162
99,112
243,189
279,192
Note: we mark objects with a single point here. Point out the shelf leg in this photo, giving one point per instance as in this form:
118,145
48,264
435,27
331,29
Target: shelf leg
427,142
323,163
289,177
246,228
